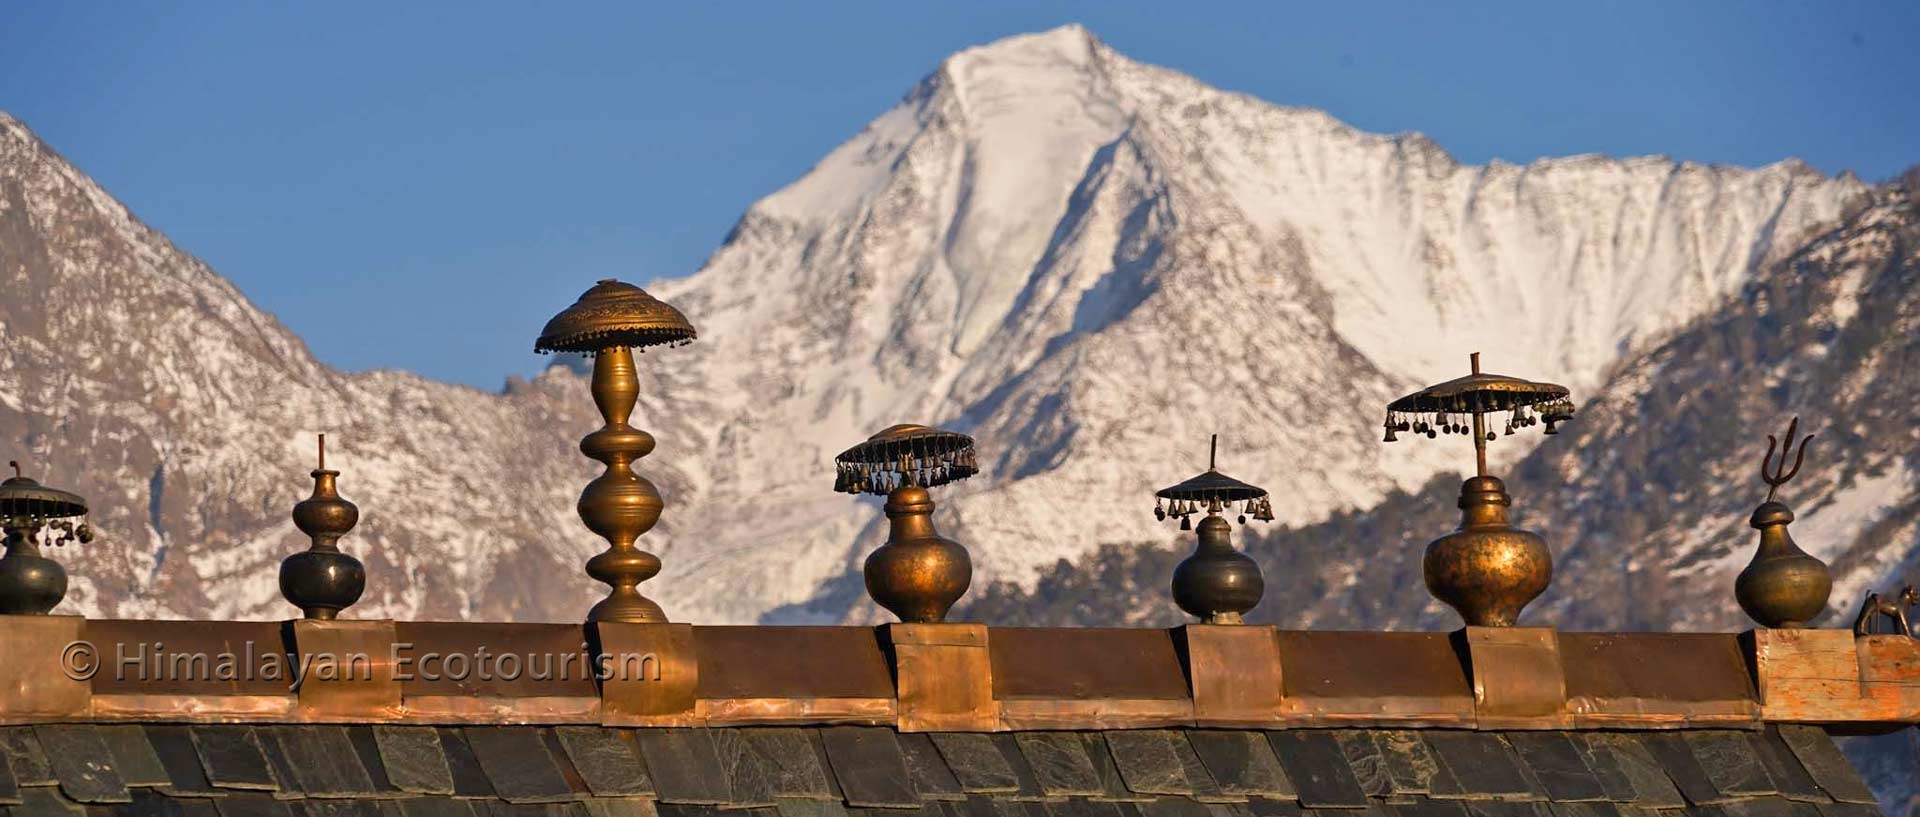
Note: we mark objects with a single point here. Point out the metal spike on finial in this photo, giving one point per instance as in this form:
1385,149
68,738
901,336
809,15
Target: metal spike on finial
1778,475
321,580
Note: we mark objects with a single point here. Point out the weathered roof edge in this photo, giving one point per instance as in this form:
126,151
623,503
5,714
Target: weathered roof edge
945,677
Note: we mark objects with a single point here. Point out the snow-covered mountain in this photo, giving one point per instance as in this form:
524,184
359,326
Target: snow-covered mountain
1088,263
1091,264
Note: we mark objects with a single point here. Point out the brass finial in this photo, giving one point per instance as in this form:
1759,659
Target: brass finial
918,574
1216,584
33,515
1783,587
321,580
608,322
1487,570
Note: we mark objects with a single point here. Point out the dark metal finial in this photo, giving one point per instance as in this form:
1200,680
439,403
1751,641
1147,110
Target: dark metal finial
1777,475
1213,453
16,468
321,580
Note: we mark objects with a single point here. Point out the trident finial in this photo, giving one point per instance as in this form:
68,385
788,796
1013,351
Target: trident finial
1777,475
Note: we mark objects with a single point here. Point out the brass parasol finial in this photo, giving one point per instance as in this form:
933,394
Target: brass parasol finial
1783,587
609,322
32,515
321,580
1487,570
1215,584
918,574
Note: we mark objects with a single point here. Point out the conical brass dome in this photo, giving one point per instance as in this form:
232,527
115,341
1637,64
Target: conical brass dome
614,313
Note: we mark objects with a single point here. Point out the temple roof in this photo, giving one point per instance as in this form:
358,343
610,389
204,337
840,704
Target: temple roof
236,770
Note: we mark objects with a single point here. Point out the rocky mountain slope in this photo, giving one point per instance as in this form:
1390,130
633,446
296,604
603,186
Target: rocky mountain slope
135,375
1088,263
1644,498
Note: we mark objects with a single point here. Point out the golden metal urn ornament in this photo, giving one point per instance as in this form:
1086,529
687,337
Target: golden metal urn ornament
609,322
1784,587
1215,584
1487,571
918,574
32,515
321,580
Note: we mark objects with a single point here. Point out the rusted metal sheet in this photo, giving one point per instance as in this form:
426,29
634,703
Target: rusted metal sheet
1643,680
491,660
1518,682
763,711
1084,664
1095,713
44,674
944,678
347,670
791,662
650,672
196,658
1235,674
1373,679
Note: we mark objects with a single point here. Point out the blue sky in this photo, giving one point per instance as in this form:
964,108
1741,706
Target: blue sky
419,186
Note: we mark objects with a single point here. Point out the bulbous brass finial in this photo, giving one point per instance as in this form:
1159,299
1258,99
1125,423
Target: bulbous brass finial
1784,587
321,580
1487,571
918,574
31,515
608,322
1216,584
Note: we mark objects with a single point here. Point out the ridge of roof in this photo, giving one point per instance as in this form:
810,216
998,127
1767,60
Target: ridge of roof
946,677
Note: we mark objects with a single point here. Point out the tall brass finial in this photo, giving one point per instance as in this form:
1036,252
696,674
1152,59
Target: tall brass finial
1783,587
918,574
1487,571
1215,584
32,515
608,322
321,580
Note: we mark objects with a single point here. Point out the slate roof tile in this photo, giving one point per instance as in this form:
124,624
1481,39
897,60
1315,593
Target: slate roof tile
1241,762
1477,765
518,763
469,780
927,770
1730,762
1824,762
976,762
414,760
24,755
1558,765
81,762
685,766
870,767
232,758
800,770
1149,763
1113,786
606,760
1062,768
1677,759
1318,769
